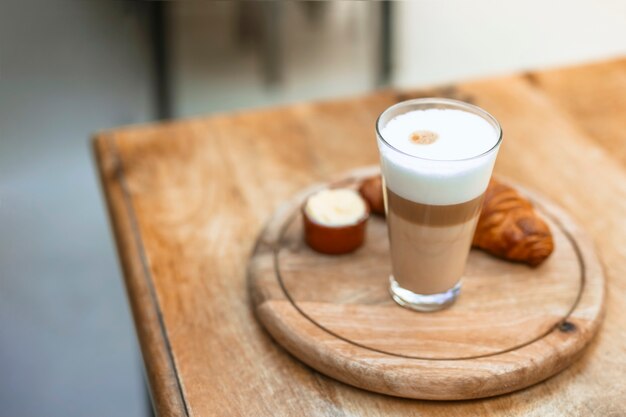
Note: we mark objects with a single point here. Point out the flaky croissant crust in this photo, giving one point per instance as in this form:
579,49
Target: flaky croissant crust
509,228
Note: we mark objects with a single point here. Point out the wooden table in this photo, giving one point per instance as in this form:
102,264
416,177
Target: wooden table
187,200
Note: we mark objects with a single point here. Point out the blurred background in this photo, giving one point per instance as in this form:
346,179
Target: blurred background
70,68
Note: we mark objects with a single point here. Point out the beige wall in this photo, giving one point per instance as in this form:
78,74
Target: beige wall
442,41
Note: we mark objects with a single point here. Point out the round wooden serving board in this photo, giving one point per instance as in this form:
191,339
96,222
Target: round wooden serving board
511,327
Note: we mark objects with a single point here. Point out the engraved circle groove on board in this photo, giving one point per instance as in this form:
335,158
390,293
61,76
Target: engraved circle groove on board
518,326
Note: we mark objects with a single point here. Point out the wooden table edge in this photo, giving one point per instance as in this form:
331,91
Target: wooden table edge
166,389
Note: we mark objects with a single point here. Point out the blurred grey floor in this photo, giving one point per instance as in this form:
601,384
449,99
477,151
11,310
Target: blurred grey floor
67,346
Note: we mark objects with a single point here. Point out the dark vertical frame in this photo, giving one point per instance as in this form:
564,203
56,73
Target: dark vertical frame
157,11
272,46
385,44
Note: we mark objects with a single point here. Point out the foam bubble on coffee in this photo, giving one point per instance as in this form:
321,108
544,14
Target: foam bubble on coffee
454,165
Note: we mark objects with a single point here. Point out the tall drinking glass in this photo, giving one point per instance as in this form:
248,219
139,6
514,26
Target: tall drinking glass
437,156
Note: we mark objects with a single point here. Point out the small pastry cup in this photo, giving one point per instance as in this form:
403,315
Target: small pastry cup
334,240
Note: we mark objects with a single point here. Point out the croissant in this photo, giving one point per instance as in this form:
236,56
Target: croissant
371,190
509,228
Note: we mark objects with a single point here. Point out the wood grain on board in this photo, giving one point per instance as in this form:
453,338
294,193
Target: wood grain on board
187,200
512,326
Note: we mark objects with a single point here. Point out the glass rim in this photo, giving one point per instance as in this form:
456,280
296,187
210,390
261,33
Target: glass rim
458,104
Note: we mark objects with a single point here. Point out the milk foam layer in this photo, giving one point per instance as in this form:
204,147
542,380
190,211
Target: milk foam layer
438,173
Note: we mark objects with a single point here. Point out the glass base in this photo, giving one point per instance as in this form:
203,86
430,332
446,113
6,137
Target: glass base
422,302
